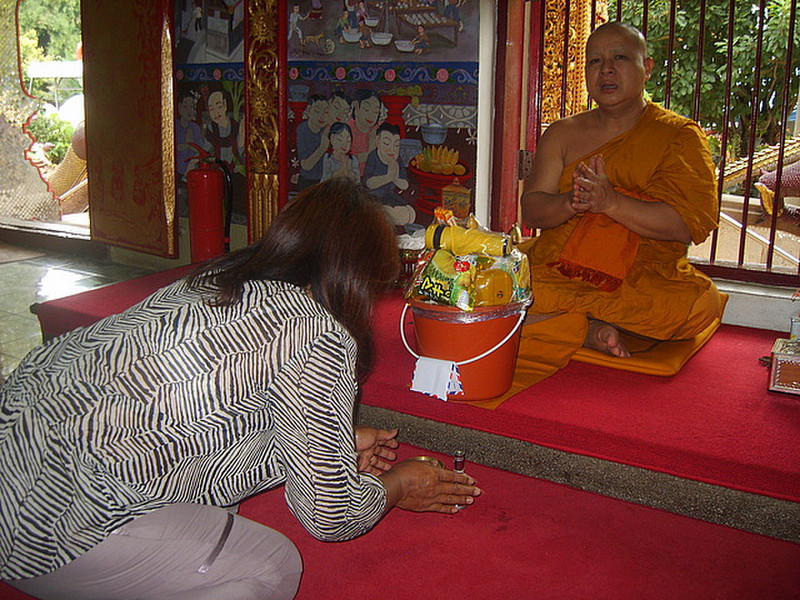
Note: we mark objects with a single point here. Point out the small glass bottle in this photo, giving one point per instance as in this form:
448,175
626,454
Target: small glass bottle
458,467
458,461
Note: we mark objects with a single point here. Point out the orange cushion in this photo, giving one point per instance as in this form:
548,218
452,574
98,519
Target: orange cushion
652,357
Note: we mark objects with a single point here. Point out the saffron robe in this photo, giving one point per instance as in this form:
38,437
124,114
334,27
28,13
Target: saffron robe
665,157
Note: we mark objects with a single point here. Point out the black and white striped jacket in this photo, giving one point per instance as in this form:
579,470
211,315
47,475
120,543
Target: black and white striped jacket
175,400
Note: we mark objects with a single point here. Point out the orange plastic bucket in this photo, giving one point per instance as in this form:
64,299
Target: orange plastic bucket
449,333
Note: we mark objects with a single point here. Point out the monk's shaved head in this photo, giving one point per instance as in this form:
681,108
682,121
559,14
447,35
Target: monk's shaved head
620,27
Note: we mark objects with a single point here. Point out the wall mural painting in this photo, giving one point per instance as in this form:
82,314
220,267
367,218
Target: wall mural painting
209,111
386,92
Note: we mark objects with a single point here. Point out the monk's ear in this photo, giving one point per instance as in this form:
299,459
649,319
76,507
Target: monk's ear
648,67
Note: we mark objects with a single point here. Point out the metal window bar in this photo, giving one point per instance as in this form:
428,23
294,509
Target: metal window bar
754,100
724,141
750,235
784,120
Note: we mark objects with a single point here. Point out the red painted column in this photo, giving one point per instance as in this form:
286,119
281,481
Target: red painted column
508,99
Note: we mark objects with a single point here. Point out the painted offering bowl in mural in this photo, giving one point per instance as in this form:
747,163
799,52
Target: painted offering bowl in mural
437,181
439,160
429,460
371,21
404,45
441,179
381,39
351,36
433,134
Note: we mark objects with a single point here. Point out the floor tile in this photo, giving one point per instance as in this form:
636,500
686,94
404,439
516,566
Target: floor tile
18,328
41,279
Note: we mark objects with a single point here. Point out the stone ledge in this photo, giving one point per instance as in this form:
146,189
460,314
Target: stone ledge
715,504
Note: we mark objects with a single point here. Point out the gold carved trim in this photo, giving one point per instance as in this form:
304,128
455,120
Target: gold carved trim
580,26
168,137
263,93
264,194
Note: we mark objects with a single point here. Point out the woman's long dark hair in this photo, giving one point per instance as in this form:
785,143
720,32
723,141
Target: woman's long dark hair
333,239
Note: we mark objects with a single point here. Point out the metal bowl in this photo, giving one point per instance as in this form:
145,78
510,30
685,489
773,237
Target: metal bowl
434,462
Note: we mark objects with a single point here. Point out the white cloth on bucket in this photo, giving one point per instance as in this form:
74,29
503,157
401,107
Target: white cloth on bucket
436,377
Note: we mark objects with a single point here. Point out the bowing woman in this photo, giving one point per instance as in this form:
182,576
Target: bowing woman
125,446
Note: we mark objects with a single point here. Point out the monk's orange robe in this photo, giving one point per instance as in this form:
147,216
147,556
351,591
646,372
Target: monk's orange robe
664,157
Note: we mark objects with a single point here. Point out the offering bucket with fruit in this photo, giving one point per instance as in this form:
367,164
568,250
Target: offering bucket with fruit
468,297
483,343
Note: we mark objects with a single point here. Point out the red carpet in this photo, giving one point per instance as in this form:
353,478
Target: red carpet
526,538
715,421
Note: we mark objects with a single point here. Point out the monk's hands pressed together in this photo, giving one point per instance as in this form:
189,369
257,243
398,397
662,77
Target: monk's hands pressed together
375,449
419,487
591,189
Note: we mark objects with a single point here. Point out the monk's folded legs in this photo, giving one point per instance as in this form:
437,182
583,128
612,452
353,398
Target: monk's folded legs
553,338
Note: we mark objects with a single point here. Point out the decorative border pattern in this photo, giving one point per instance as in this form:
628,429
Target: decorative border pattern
464,73
210,72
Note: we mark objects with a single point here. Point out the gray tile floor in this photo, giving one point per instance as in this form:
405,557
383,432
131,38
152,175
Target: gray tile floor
24,282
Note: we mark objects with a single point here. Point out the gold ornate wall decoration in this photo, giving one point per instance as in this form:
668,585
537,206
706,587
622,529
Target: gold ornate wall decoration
168,182
580,26
263,196
262,77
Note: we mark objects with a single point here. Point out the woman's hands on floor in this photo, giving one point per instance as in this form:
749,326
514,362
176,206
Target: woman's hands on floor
416,486
375,449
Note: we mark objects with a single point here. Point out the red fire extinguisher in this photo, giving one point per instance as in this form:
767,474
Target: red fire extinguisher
209,188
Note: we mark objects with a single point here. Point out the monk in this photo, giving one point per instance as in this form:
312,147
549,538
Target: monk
618,191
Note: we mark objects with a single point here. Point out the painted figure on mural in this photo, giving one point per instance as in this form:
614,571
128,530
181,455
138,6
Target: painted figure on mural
343,25
351,6
362,13
312,141
224,135
339,162
341,109
384,175
187,131
197,16
365,32
421,42
364,124
294,23
451,11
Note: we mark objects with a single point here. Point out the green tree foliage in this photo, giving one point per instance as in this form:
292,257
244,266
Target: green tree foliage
50,30
50,130
748,18
56,23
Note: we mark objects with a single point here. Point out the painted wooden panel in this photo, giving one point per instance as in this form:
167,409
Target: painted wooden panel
130,124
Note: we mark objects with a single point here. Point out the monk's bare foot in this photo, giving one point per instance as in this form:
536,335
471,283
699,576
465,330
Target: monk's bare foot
605,338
